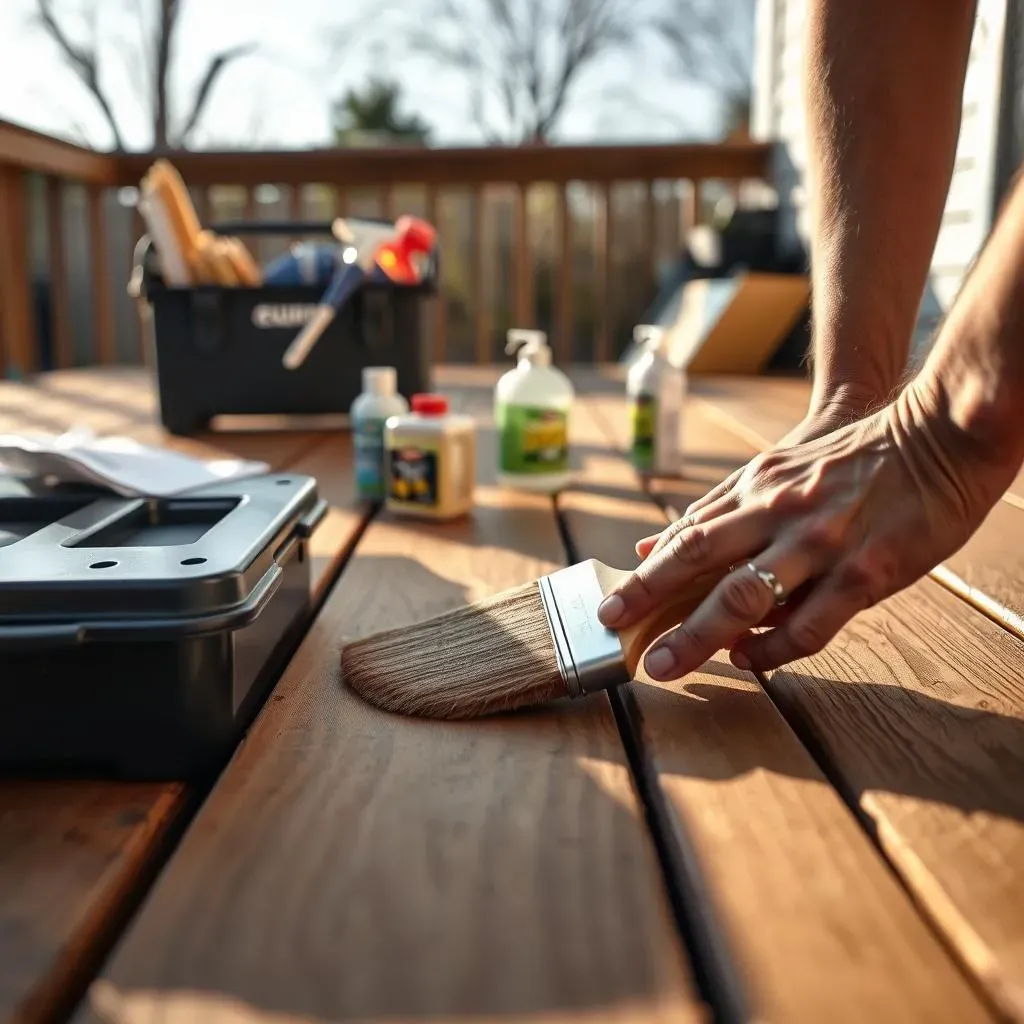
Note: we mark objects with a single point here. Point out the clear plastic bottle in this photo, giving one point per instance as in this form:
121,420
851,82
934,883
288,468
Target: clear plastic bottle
656,389
370,411
430,460
532,404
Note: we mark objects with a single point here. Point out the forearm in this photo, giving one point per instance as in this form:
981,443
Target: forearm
974,375
884,83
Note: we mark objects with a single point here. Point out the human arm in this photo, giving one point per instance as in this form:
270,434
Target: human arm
883,87
845,520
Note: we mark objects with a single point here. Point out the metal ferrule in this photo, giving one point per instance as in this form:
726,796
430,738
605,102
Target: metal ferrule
589,656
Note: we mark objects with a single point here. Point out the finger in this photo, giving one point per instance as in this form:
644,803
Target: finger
691,553
656,541
739,602
825,611
644,547
703,515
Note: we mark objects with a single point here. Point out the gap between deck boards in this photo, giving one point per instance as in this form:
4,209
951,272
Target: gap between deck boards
712,964
991,609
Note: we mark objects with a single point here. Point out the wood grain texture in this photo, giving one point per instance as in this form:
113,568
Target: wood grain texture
376,868
792,878
104,343
564,280
524,305
479,297
603,256
450,166
60,323
74,855
19,352
440,348
918,706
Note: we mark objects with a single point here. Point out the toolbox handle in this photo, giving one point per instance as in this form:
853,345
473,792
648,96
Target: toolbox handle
311,520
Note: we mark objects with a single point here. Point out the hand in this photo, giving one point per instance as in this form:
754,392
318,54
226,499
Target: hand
843,407
842,521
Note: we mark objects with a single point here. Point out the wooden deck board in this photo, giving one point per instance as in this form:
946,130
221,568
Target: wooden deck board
372,867
73,855
792,877
917,709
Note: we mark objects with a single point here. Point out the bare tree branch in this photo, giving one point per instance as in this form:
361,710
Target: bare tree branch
213,71
711,42
82,60
522,58
167,22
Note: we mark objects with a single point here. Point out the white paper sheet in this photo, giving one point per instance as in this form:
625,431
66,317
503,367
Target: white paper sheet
118,463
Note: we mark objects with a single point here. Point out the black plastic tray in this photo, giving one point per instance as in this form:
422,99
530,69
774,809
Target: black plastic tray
137,634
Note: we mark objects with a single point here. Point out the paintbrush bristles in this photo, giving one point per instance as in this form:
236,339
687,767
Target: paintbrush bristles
492,656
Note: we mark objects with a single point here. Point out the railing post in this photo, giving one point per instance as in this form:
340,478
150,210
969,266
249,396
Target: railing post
602,271
564,279
441,313
649,238
104,343
524,314
341,201
60,323
19,343
478,296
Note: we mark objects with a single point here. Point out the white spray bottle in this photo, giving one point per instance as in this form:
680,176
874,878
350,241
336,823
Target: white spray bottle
656,389
532,404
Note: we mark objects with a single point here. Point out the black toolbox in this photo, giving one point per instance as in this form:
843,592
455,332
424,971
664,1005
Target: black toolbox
139,636
218,350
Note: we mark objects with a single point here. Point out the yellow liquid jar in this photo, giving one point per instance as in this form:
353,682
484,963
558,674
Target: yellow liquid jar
430,460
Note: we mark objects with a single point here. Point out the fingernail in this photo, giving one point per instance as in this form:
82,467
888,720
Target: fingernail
660,663
740,660
611,609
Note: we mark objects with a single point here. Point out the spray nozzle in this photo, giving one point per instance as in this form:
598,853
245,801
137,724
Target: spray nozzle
528,345
648,336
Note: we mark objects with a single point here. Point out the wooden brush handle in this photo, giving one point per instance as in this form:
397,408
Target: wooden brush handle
637,638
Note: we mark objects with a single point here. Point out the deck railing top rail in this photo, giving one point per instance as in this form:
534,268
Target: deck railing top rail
32,151
584,259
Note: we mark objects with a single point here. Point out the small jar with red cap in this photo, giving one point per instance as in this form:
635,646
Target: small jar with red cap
430,460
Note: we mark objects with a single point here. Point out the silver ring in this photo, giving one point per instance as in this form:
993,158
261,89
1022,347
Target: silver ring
771,581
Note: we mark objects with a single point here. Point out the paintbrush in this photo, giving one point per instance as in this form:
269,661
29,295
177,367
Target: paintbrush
533,644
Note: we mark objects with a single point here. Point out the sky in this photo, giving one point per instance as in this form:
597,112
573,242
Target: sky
280,97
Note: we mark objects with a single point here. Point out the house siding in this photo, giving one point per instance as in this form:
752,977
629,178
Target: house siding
981,167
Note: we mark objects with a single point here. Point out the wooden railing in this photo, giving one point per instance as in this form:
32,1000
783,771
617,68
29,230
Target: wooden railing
520,228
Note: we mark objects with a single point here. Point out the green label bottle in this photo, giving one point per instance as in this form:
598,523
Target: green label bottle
644,416
533,440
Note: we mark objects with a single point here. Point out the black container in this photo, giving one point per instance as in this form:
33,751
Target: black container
218,350
139,636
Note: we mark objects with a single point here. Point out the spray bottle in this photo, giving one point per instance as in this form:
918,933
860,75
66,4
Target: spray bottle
656,389
532,405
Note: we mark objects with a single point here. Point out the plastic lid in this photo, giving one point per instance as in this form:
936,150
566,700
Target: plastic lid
380,380
429,405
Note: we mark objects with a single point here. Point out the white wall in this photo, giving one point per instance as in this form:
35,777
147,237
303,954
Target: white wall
778,115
